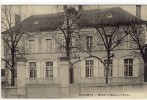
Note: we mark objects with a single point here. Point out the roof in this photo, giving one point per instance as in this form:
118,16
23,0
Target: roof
109,16
48,22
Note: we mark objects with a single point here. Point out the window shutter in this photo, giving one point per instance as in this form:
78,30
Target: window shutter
115,68
38,69
43,46
95,68
101,69
36,45
44,70
83,70
84,43
135,67
121,67
27,70
27,46
41,70
55,69
54,45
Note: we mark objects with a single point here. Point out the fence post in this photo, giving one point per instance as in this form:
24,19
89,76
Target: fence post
21,64
64,77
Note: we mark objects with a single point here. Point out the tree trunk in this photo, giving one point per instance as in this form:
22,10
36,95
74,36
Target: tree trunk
107,67
145,71
12,69
12,77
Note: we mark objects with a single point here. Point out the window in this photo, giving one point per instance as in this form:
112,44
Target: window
89,42
128,67
32,69
109,15
31,46
49,45
49,69
110,67
3,72
89,68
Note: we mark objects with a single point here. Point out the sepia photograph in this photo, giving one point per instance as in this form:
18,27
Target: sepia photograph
74,51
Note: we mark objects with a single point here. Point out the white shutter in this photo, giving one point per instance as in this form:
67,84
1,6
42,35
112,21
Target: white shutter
43,46
101,68
27,70
26,46
121,67
44,70
95,68
41,70
38,69
135,67
55,69
83,70
115,68
53,45
36,45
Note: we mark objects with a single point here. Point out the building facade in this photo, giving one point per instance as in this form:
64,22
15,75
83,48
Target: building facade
44,65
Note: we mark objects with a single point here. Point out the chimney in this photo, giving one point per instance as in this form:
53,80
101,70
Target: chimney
65,9
138,11
17,19
80,9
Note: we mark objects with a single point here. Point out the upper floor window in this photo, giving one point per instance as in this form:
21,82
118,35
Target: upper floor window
49,45
31,46
89,68
128,67
110,66
89,42
49,69
3,72
32,66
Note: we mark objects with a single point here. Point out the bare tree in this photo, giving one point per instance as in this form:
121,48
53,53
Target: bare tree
137,34
11,37
69,33
111,38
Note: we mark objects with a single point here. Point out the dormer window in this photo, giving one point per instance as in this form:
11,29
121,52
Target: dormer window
109,15
36,22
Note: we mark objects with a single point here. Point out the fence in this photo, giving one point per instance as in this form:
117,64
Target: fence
42,81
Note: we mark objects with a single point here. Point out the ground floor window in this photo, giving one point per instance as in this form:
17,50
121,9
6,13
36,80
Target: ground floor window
49,69
128,67
89,68
32,69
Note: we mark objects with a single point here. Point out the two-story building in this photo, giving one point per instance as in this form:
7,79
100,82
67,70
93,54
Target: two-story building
43,53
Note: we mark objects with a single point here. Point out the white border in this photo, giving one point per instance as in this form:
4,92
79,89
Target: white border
61,2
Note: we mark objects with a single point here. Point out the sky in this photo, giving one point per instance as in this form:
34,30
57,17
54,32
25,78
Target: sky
36,10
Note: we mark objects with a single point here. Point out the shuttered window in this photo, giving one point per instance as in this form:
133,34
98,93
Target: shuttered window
89,42
89,68
33,71
31,46
49,45
49,69
128,67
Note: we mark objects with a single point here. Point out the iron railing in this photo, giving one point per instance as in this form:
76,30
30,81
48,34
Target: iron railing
42,81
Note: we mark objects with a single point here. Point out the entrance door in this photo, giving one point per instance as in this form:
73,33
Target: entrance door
71,75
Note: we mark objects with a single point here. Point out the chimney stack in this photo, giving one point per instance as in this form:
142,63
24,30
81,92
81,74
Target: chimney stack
80,9
138,11
17,19
65,8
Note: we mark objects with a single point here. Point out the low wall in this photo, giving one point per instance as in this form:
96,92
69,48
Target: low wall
42,91
9,92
